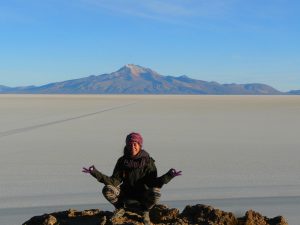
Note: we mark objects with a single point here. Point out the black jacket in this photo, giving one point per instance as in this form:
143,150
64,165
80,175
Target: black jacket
133,179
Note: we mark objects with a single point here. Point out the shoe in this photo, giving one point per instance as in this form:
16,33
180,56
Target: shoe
146,218
118,213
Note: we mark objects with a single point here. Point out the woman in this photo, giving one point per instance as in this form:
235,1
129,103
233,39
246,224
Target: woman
134,179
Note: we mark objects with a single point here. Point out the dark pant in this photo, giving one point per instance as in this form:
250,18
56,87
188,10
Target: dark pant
147,199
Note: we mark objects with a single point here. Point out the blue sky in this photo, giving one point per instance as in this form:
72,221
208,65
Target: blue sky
227,41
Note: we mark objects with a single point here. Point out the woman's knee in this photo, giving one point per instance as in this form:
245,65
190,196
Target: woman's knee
153,196
111,193
156,194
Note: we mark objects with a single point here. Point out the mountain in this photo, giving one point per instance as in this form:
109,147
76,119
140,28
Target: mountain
294,92
4,88
134,79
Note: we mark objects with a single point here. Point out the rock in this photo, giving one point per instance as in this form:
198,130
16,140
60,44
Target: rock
71,217
162,214
159,215
50,220
254,218
103,220
202,214
278,220
74,213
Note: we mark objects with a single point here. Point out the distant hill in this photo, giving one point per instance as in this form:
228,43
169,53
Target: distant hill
294,92
4,88
134,79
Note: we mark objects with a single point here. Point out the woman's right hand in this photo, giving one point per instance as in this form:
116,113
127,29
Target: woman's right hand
174,173
88,170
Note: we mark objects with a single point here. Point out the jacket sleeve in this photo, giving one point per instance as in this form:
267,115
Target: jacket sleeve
164,179
158,181
114,180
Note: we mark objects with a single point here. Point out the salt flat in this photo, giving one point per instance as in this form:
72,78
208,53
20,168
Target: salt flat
227,146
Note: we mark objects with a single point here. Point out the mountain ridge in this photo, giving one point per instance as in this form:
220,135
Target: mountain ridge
135,79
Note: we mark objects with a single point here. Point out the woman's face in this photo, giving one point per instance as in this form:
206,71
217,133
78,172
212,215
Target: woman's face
134,148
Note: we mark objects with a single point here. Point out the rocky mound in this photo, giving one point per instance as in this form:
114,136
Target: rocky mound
160,214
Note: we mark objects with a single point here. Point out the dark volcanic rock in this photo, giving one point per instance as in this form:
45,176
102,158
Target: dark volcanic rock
160,215
71,217
253,218
202,214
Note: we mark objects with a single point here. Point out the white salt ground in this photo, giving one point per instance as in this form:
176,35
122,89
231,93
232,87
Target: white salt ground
240,150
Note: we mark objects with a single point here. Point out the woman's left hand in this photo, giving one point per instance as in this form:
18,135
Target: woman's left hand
88,170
